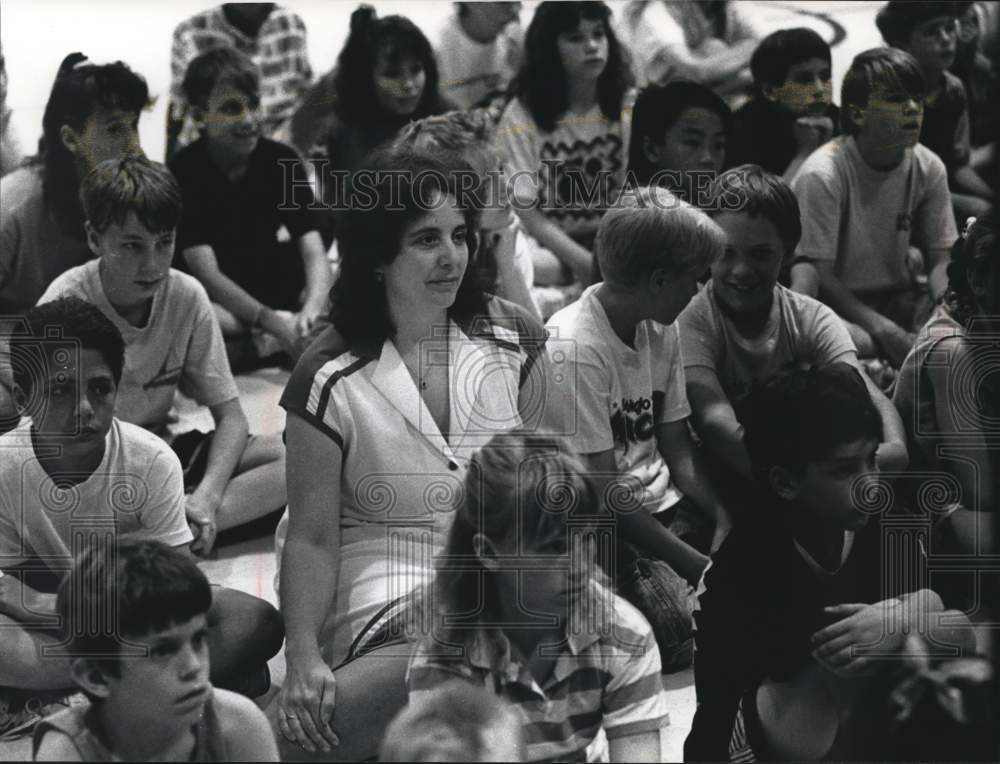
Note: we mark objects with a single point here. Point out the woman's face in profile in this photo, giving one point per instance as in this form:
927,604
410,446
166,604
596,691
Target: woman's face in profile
432,259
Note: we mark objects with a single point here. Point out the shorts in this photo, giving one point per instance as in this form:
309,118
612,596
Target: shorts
192,449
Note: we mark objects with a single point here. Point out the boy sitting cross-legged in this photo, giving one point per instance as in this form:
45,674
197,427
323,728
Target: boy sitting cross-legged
744,326
72,471
628,409
172,341
803,612
248,233
135,621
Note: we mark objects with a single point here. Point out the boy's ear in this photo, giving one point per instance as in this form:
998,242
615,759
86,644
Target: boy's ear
767,91
93,239
88,675
485,551
650,149
857,114
783,483
198,116
70,139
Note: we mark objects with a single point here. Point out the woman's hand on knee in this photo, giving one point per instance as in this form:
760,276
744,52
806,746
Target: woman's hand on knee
305,706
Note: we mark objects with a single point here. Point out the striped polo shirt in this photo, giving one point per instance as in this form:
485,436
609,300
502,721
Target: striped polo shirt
606,676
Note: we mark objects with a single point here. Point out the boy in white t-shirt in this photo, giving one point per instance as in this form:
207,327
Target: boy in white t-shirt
627,397
478,52
72,475
173,341
869,196
744,326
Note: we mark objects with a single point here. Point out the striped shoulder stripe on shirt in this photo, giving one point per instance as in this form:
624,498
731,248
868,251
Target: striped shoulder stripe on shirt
326,361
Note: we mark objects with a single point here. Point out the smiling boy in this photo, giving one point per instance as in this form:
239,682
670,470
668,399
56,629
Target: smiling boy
146,675
173,342
248,233
870,195
745,326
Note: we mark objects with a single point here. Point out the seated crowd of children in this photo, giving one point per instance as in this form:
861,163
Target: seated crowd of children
588,382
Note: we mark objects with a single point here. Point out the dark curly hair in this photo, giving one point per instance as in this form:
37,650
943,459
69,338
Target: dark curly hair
966,267
63,322
396,183
398,38
79,90
541,84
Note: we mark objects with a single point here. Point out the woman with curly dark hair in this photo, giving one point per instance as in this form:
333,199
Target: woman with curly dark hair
565,134
385,408
948,391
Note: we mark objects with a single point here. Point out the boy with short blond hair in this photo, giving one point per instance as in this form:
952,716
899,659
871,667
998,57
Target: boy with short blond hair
133,207
870,195
145,671
627,398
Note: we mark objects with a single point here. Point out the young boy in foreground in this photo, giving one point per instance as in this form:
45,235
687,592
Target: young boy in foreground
145,669
173,341
802,611
72,471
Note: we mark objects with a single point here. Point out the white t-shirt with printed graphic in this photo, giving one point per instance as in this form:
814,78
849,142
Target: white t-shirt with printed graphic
180,347
620,393
569,169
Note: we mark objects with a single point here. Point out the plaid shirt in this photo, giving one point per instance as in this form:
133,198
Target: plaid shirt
279,49
603,677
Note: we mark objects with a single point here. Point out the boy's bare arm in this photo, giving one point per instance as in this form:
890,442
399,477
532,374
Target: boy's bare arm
224,454
319,279
724,64
715,419
231,296
892,453
674,442
894,339
641,529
